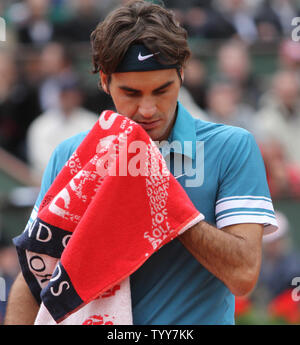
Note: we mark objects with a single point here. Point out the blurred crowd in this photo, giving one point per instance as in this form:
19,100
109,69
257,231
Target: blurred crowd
48,92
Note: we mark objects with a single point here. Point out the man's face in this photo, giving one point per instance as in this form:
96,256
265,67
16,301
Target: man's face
148,98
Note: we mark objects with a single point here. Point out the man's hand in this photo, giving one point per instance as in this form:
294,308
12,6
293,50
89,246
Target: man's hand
233,254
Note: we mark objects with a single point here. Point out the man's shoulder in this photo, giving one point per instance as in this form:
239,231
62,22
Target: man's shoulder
212,134
58,159
66,148
207,130
70,144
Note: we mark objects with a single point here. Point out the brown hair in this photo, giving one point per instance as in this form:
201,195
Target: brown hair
143,22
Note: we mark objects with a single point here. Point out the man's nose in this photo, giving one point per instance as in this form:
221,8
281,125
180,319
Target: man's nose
147,107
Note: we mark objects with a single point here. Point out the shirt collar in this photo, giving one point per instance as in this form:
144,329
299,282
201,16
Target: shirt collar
183,132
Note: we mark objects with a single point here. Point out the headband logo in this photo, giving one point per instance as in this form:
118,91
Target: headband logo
139,58
145,57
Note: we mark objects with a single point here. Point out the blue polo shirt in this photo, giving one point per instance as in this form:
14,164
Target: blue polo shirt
222,171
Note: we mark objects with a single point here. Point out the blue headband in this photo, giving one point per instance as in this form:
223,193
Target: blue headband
139,58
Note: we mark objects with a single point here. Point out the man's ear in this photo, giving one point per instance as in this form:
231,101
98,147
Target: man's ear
182,75
104,82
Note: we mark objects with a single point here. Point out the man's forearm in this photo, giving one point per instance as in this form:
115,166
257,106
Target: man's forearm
22,307
233,258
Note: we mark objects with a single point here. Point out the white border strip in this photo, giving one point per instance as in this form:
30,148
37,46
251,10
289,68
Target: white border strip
193,222
269,223
247,203
244,197
245,213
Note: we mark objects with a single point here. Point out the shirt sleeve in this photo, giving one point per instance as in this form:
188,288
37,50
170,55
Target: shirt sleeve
243,195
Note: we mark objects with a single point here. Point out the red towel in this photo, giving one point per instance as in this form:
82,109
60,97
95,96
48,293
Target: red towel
110,208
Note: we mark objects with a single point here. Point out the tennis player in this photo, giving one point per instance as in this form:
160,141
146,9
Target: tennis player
140,52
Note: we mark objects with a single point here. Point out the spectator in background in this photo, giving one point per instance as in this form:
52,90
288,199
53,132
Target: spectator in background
203,21
186,99
285,10
279,114
36,27
280,265
289,56
30,69
56,65
224,106
240,14
9,268
268,24
279,260
57,124
234,63
195,81
105,6
85,16
18,107
75,32
188,3
283,176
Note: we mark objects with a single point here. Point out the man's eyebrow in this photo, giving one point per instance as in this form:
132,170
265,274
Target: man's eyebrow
165,85
129,89
126,88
